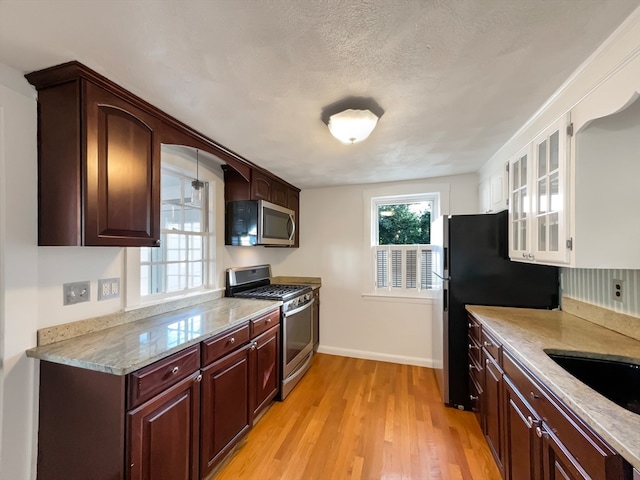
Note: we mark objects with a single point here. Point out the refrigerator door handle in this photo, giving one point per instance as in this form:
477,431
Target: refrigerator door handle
440,276
445,300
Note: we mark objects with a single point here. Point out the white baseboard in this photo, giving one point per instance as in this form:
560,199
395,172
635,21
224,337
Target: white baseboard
382,357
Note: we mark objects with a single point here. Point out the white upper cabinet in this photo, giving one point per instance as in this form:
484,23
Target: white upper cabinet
519,206
493,192
574,191
538,198
549,242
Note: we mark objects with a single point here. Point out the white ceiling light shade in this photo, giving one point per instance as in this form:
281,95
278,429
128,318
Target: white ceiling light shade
352,126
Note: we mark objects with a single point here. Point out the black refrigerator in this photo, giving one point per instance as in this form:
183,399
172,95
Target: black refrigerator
472,266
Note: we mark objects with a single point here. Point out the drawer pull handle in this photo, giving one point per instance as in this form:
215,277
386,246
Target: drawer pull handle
539,432
254,345
199,378
232,341
473,398
535,396
486,361
530,421
175,369
472,366
269,320
488,344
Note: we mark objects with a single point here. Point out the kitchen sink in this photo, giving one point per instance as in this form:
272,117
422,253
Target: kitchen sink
616,378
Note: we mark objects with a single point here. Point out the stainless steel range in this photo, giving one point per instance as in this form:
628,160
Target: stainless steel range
296,321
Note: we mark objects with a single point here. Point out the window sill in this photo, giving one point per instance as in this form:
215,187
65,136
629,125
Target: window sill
179,301
397,298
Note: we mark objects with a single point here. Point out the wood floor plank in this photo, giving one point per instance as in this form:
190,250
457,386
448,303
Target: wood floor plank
357,419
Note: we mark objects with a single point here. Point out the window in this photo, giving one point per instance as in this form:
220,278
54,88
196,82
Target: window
184,263
402,256
178,265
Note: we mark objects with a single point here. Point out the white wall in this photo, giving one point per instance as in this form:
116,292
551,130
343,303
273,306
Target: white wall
332,248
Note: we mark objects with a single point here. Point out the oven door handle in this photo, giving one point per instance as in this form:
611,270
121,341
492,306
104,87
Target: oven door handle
299,309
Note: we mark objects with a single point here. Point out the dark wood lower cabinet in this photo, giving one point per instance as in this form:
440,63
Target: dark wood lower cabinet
532,434
226,413
524,447
493,408
266,375
559,464
163,434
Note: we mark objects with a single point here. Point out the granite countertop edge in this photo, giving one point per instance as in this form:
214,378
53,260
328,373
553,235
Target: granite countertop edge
87,351
520,333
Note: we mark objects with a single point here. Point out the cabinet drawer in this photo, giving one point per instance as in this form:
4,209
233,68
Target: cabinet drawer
265,322
491,345
474,350
149,381
216,347
474,329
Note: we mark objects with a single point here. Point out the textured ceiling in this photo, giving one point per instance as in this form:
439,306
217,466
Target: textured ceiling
456,78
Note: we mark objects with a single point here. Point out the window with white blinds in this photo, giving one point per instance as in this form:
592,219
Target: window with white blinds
403,269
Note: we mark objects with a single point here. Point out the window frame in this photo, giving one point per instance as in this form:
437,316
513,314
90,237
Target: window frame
182,165
437,193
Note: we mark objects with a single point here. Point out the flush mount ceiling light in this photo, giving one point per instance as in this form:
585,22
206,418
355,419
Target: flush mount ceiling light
352,126
352,119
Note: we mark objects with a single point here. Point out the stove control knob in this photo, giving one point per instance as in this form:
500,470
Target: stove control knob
307,297
294,302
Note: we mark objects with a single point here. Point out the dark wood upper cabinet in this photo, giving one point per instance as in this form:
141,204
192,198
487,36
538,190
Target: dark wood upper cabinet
98,165
260,186
279,193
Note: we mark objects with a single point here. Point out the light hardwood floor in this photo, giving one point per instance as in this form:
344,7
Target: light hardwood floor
362,419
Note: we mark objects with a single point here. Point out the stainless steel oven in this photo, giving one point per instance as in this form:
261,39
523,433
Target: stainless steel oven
296,318
297,341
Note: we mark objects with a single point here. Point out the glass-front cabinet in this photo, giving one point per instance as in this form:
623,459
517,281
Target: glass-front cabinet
549,209
538,200
519,218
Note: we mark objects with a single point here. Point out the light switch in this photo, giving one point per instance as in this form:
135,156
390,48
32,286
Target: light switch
77,292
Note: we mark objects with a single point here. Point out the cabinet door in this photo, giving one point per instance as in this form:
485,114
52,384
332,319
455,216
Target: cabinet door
549,207
279,193
558,463
493,408
519,205
225,408
266,376
498,190
522,453
163,434
260,186
122,197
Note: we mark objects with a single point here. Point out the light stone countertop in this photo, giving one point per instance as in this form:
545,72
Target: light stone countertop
125,348
313,282
527,333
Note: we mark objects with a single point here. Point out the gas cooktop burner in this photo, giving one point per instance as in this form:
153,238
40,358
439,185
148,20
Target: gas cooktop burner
274,291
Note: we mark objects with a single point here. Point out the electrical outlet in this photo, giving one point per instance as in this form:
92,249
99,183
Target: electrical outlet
617,290
108,288
77,292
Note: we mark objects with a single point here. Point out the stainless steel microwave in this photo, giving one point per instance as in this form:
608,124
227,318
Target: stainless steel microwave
258,222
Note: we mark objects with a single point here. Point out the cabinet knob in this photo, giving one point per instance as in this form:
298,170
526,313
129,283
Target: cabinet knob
269,320
232,341
488,344
486,361
199,378
472,366
535,396
254,345
539,432
530,421
524,255
530,256
175,369
473,398
158,242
